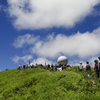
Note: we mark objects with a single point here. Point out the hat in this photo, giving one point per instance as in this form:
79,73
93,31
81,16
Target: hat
96,61
99,57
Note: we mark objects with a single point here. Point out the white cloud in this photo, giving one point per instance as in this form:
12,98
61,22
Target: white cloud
24,40
25,58
36,14
42,60
81,44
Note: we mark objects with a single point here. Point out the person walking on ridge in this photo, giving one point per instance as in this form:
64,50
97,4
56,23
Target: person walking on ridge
88,67
80,67
96,68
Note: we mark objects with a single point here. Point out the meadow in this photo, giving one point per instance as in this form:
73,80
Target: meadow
42,84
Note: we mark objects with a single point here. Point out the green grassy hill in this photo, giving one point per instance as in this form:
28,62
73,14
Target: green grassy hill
41,84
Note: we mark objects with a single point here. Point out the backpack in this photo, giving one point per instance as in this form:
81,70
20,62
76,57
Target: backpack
96,67
87,67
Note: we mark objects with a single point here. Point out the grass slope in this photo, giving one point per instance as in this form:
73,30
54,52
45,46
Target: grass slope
41,84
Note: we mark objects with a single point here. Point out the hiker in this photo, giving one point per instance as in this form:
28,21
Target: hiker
24,66
96,68
88,67
80,67
59,69
99,64
69,69
52,67
55,67
19,67
32,66
48,67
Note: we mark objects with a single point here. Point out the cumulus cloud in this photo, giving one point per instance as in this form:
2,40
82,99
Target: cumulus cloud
80,44
37,14
25,58
24,40
42,60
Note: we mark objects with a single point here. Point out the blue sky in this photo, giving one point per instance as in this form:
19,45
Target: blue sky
43,30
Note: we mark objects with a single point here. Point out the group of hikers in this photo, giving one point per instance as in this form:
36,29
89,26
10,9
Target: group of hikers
48,66
60,67
88,67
